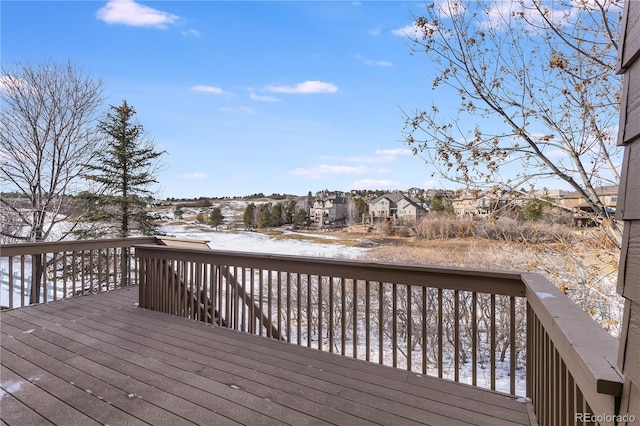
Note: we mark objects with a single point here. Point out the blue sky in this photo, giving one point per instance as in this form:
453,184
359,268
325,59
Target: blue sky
248,97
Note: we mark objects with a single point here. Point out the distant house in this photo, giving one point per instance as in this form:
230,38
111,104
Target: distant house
328,210
395,206
608,195
477,203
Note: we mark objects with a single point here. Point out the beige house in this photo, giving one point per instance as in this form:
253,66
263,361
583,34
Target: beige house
608,195
395,206
475,203
328,210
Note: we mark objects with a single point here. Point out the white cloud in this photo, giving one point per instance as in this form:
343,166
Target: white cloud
191,33
322,171
264,98
395,151
209,89
377,63
411,31
429,184
555,153
8,84
305,88
375,31
381,156
238,110
128,12
375,184
194,176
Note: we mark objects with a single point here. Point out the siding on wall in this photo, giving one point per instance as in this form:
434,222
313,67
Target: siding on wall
631,366
630,105
630,398
628,208
629,48
629,269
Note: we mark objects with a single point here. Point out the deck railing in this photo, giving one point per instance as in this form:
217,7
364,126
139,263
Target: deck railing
506,331
48,271
510,332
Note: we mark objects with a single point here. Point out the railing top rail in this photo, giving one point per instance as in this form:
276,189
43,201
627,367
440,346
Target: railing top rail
588,351
24,249
495,282
21,249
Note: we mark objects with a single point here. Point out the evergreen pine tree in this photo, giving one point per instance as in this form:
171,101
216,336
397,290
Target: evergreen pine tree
301,218
265,218
249,215
216,217
124,171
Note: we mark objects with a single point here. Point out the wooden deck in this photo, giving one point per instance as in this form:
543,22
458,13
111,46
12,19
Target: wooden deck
101,360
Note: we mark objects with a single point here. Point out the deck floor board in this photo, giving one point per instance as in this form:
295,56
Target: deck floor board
99,359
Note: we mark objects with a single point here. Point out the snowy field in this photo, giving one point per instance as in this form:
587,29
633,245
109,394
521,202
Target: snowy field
256,242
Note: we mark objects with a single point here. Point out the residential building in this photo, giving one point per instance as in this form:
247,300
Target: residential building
476,202
329,209
395,206
608,195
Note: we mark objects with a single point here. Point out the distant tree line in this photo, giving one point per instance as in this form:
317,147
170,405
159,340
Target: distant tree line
271,215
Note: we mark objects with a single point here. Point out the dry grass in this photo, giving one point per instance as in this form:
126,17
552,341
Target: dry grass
582,270
318,239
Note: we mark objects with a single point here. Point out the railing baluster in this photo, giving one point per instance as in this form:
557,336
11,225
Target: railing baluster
331,308
394,324
54,261
309,310
244,326
343,313
424,330
279,304
99,268
288,307
320,309
215,279
64,274
380,323
474,338
367,321
299,312
260,298
354,339
269,301
10,279
91,271
440,340
456,335
513,348
493,342
409,321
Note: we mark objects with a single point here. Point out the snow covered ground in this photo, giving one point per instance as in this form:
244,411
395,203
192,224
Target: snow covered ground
256,242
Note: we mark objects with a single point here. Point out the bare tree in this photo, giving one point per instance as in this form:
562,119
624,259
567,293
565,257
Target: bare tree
351,210
537,91
47,139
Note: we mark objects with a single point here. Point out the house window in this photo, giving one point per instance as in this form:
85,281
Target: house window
614,198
